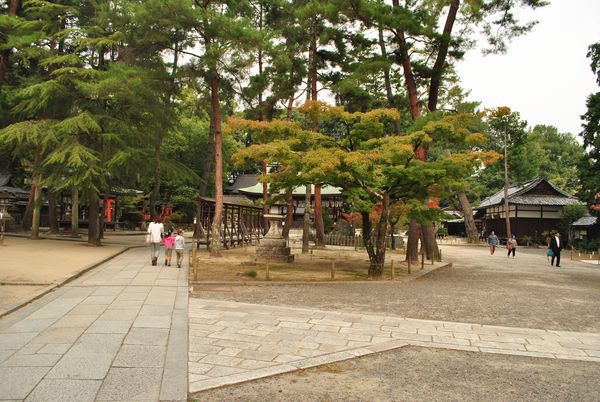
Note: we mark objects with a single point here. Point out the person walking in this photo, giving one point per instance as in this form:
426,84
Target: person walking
156,230
492,242
179,246
168,242
556,245
511,245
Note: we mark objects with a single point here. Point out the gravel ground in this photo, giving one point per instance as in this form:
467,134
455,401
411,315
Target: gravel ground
423,374
484,289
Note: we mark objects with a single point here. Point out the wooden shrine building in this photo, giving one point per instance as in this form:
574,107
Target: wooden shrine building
534,207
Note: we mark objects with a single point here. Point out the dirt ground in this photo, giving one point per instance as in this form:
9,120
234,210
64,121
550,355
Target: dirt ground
423,374
484,289
350,265
523,292
41,262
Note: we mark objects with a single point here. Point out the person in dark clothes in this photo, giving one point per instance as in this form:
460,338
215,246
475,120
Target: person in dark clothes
556,244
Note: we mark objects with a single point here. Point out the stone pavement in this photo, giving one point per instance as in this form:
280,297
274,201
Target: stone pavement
117,333
233,342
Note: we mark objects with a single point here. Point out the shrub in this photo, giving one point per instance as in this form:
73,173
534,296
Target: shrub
251,273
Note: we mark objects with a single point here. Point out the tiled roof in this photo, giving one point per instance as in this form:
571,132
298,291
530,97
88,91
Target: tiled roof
517,194
541,200
243,181
585,221
300,190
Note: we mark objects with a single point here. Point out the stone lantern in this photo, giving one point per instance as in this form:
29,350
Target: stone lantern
273,246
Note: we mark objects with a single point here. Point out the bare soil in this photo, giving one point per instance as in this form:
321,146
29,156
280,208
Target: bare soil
41,262
349,265
423,374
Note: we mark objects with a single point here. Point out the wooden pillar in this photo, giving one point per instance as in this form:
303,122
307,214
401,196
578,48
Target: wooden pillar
239,224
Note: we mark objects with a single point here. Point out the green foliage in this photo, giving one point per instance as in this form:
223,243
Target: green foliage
589,166
571,212
540,151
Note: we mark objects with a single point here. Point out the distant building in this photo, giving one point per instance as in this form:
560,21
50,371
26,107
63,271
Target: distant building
13,200
586,228
534,207
247,185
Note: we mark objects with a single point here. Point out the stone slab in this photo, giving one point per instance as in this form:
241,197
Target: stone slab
131,384
53,390
18,382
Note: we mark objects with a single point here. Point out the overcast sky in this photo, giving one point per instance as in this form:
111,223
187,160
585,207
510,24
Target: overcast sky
545,75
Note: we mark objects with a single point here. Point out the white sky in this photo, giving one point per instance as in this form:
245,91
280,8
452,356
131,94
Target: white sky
545,75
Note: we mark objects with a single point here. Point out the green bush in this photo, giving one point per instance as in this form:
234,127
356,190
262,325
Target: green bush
251,273
592,245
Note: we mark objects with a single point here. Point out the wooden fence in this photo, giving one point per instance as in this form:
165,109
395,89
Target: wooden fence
357,241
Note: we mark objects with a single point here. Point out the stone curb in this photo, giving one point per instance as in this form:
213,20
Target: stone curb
60,282
413,276
204,385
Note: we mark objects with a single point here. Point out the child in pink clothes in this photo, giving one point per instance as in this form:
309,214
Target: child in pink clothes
168,242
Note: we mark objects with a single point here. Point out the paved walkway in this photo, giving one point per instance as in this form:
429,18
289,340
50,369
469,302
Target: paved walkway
118,333
234,342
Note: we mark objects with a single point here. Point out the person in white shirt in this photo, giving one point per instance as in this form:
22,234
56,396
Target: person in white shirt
556,244
156,230
179,246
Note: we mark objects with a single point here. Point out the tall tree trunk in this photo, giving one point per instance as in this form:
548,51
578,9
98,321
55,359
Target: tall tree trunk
261,117
409,78
506,206
386,79
93,211
27,221
37,195
156,187
306,225
28,214
319,225
37,208
429,241
412,245
75,212
434,89
290,107
440,61
414,229
289,216
432,250
52,215
471,228
205,177
215,245
289,219
376,250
